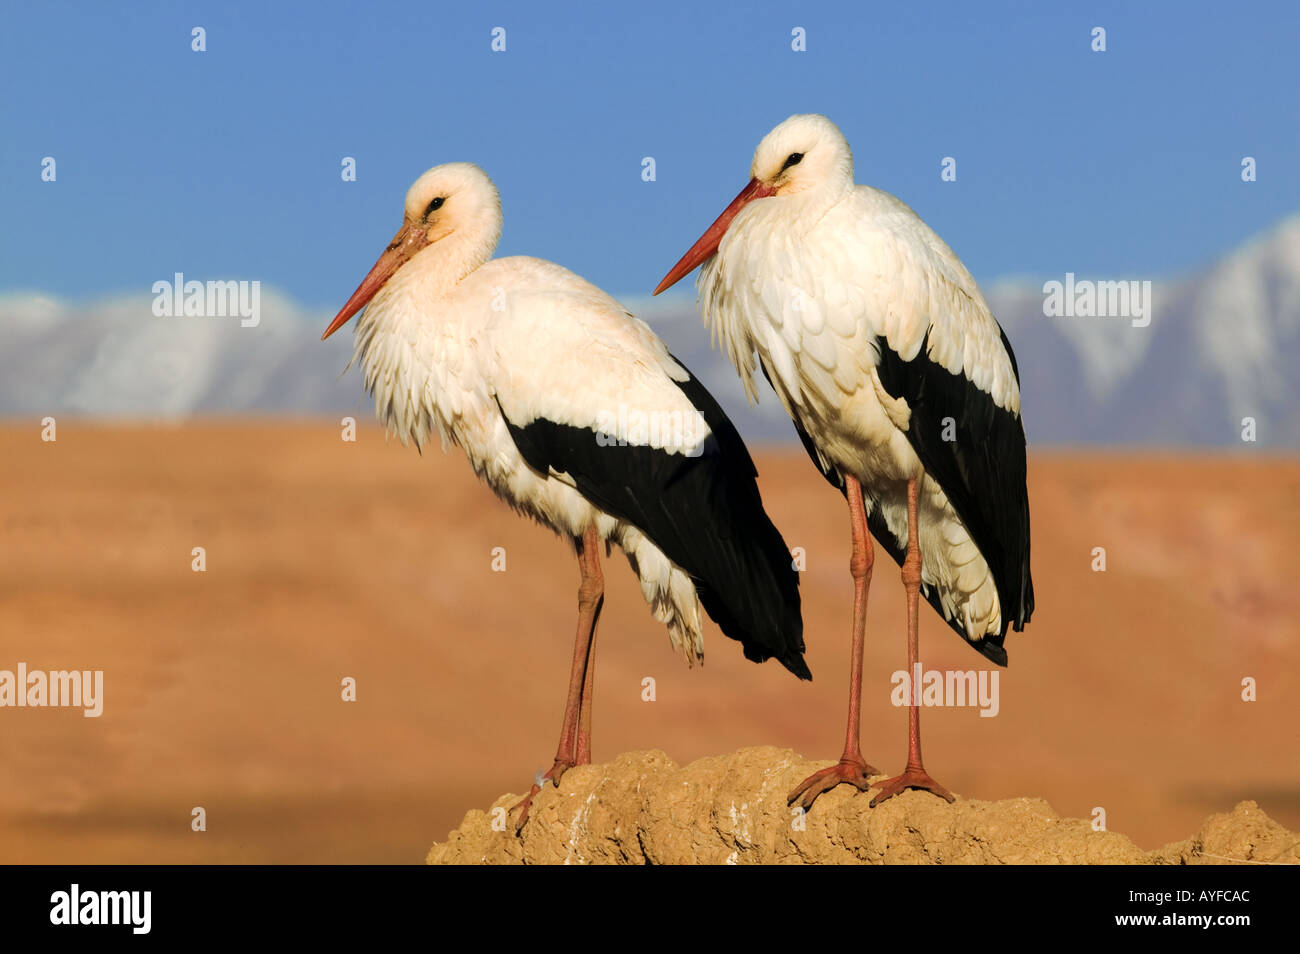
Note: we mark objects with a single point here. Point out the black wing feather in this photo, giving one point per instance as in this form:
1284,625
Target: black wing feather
982,472
703,512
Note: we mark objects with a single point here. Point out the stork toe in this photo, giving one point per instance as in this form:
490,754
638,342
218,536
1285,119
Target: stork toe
912,777
554,774
845,771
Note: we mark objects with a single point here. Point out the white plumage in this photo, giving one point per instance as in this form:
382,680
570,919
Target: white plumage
447,338
808,284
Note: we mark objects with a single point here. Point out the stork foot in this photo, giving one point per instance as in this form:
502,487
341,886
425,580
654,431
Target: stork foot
912,777
554,774
853,772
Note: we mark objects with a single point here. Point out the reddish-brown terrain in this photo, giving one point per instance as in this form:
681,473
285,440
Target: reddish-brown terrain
328,560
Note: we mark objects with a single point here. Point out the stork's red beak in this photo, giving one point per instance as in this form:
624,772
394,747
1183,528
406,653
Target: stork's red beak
710,240
409,240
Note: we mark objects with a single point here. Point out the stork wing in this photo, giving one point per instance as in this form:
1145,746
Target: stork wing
976,452
591,397
884,295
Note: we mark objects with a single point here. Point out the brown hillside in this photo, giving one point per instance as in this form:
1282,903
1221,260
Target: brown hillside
328,560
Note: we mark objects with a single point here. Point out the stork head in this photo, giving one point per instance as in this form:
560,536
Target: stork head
455,204
805,152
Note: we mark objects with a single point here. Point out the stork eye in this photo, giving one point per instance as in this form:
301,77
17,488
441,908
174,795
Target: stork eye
793,160
434,206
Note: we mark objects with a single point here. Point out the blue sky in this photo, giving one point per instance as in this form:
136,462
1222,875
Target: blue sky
225,164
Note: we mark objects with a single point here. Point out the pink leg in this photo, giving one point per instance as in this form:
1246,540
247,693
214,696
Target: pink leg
851,768
575,731
914,776
594,579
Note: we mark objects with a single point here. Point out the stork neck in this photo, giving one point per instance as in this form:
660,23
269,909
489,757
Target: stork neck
830,192
442,266
808,207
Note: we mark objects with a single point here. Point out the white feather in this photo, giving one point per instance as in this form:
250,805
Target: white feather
806,281
451,339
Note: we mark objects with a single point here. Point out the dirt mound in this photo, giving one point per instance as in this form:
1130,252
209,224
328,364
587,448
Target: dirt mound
1244,834
644,809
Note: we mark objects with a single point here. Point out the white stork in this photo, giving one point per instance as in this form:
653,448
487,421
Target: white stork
901,384
574,413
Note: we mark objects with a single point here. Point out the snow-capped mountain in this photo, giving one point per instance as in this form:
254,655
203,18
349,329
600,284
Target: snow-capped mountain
1221,346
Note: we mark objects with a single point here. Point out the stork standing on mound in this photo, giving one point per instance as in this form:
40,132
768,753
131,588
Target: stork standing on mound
901,384
574,413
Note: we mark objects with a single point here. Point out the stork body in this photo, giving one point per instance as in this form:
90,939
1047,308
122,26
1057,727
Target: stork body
900,382
574,413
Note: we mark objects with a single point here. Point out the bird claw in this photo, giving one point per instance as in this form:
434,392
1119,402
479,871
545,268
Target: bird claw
912,777
846,771
554,774
524,803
